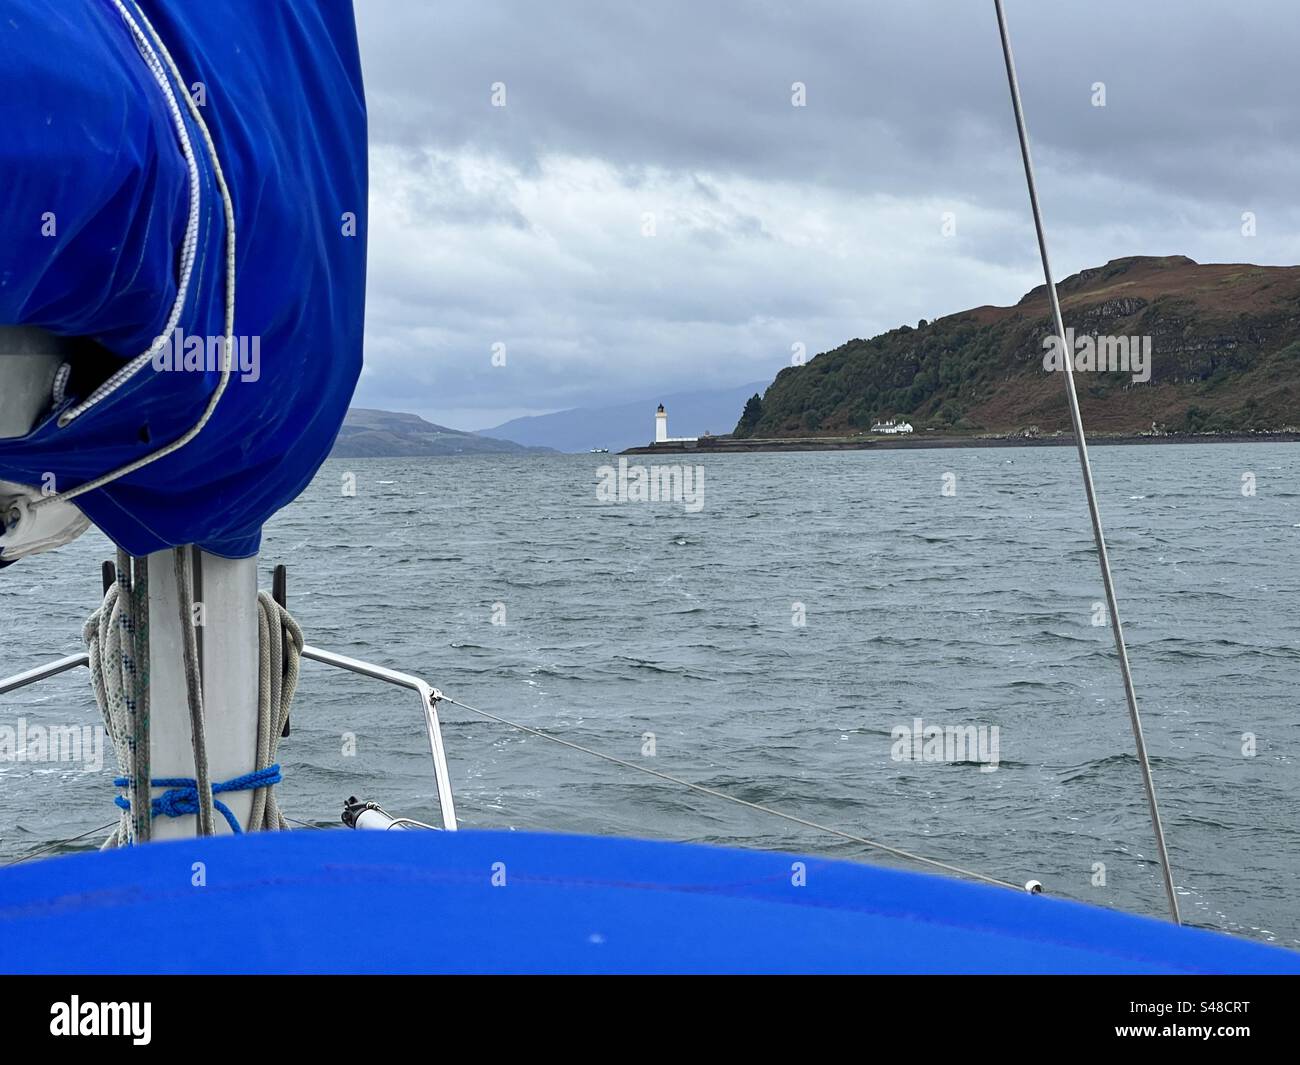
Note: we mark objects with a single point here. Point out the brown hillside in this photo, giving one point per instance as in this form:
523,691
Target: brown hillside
1225,342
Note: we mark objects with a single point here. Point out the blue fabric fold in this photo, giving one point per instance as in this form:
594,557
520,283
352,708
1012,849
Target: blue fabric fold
94,216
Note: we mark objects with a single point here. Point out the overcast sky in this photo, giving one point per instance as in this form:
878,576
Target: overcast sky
773,225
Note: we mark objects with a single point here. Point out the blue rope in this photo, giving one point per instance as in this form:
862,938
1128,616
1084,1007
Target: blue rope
182,797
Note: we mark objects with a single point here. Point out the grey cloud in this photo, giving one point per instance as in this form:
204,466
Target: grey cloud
780,223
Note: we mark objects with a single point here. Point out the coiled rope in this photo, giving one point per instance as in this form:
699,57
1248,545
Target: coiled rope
279,658
114,676
115,641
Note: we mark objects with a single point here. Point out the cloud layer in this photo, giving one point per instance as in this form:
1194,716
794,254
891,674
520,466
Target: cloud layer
649,213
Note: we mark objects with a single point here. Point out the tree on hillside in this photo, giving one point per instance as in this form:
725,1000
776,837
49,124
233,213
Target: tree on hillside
750,416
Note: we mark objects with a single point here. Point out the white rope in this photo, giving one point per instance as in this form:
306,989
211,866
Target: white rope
110,640
188,255
183,565
279,647
280,643
1094,511
713,793
141,755
189,246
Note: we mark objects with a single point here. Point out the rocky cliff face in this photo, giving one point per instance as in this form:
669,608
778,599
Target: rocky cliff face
1224,342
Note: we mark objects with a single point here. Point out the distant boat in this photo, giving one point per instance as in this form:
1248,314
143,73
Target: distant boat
599,451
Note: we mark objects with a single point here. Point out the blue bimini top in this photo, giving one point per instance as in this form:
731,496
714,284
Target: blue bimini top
518,902
105,221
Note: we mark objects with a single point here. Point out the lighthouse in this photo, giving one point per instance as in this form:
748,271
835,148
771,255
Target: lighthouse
661,430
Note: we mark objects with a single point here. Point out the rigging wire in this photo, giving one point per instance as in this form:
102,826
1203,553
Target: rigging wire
60,843
1081,443
714,793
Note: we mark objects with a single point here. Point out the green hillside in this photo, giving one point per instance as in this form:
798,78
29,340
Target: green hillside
1225,355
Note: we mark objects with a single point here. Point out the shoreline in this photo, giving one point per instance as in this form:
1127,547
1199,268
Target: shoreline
729,446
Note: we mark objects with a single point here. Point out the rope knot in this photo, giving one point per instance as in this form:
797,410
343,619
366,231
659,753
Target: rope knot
181,799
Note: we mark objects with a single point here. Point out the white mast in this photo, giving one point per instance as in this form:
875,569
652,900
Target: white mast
225,595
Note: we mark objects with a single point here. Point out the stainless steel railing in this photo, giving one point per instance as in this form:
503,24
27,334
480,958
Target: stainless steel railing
40,673
429,699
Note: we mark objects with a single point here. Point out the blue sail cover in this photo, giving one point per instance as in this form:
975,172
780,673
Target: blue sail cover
97,196
520,902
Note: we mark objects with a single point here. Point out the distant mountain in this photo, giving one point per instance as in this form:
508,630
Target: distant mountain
383,434
628,424
1224,342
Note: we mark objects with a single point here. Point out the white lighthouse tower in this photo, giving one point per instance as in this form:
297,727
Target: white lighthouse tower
661,430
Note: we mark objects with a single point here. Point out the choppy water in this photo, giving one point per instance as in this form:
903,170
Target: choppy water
633,618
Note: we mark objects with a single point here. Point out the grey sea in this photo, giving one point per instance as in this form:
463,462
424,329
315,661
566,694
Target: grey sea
794,640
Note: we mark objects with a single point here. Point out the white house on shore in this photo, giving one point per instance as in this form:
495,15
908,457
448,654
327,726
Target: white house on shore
661,430
891,427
